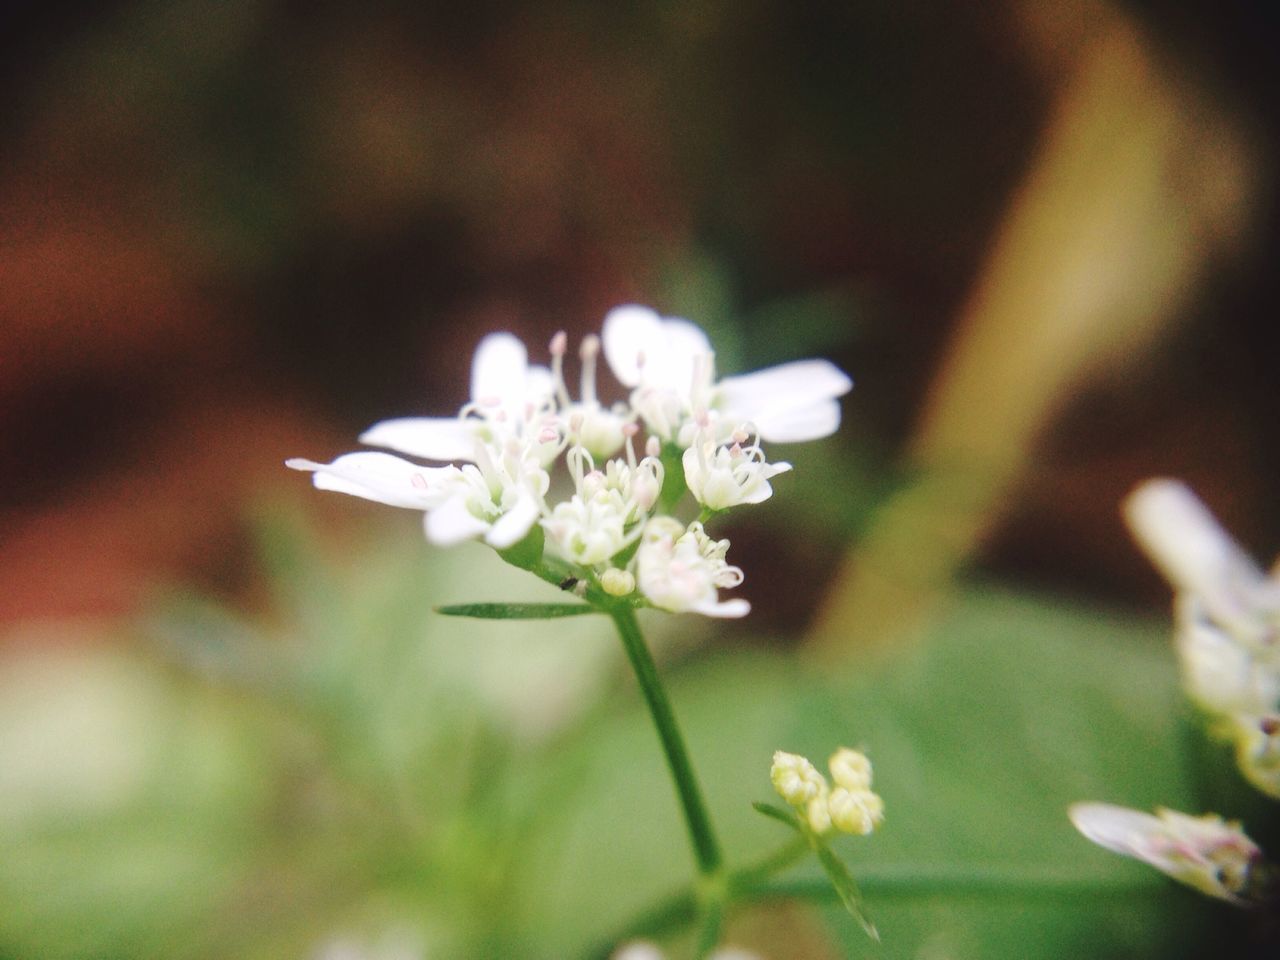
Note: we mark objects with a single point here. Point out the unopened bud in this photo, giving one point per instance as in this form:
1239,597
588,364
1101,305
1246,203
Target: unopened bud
617,583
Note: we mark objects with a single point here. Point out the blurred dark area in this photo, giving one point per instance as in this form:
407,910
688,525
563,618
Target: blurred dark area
235,232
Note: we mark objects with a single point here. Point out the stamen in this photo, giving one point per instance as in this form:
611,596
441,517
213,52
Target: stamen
559,345
589,350
653,447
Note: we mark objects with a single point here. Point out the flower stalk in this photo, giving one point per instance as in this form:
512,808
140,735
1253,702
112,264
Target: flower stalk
706,849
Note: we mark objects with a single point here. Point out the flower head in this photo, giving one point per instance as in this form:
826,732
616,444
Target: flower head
1227,622
725,475
680,568
851,807
501,448
1208,853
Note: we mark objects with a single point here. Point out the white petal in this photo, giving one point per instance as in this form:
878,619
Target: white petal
1118,829
511,528
452,523
728,609
788,386
382,478
1185,541
499,371
539,385
798,426
433,438
630,333
683,344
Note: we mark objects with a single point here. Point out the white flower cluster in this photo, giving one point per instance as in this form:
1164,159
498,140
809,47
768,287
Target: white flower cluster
1227,612
850,807
614,528
1208,853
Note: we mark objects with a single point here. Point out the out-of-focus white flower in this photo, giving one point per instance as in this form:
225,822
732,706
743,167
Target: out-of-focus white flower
1257,743
1227,616
510,399
1198,557
1208,853
670,366
723,476
680,569
1219,672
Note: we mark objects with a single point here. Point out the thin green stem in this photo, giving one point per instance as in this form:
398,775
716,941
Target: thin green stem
706,849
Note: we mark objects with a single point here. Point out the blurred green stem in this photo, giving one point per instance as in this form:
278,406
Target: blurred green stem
706,849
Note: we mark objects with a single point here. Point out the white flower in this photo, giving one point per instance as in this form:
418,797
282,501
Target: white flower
1196,556
496,499
679,569
670,367
599,430
603,515
509,400
720,477
1257,742
1212,855
1220,673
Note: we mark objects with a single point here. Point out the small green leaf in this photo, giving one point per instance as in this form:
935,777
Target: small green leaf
777,813
844,885
516,611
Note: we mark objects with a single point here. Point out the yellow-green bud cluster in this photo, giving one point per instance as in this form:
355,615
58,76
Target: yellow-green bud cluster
850,807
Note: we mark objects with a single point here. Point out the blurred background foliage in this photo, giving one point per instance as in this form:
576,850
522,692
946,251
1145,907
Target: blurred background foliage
1040,237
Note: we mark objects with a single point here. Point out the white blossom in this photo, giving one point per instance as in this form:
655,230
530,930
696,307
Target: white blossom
605,512
1212,855
1198,557
722,476
1257,744
510,399
497,499
680,569
670,367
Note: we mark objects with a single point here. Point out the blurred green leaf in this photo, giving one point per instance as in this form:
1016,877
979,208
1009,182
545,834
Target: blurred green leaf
845,887
1010,709
516,611
785,817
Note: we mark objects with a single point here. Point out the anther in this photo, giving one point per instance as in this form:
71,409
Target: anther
559,344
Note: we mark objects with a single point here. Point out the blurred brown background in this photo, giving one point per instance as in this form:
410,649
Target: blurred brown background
235,232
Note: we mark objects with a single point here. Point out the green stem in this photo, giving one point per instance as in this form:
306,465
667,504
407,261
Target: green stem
680,910
706,849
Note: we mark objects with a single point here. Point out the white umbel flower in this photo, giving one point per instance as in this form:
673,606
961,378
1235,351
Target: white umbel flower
680,569
724,476
510,399
670,367
1208,853
497,499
